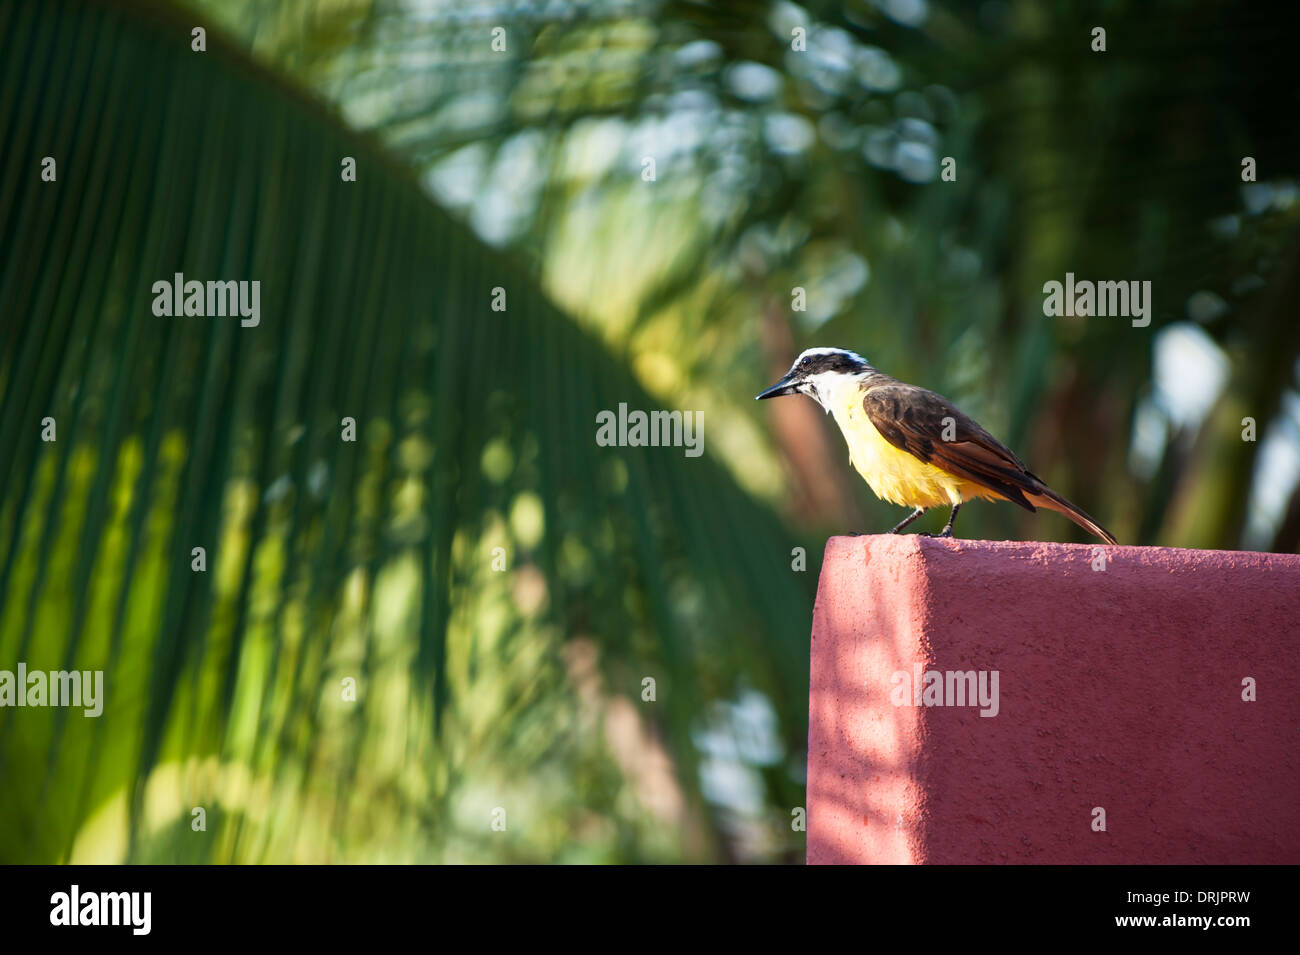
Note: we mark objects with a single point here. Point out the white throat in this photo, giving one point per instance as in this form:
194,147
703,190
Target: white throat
829,388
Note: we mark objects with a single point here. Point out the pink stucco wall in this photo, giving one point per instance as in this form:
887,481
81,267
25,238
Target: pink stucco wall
1118,688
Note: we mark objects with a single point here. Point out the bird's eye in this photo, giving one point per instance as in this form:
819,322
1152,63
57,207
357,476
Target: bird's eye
806,362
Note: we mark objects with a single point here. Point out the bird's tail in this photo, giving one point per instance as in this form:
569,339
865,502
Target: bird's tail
1049,499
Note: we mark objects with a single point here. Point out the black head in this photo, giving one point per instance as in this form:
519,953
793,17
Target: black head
809,368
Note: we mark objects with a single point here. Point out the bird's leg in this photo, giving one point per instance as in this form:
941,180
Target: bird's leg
947,528
907,520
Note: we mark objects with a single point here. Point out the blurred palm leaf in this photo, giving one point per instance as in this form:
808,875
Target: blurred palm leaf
328,560
1125,163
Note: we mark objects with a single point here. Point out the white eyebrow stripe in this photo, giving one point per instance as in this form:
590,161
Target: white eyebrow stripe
820,352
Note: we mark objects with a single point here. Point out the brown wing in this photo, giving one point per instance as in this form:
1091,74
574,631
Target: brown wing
914,420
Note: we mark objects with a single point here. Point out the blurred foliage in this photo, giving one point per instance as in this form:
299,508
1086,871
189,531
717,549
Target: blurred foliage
775,168
818,168
480,684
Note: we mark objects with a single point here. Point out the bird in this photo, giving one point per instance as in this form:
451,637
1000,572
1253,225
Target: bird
912,446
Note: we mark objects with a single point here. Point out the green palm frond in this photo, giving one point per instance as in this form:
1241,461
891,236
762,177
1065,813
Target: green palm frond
327,560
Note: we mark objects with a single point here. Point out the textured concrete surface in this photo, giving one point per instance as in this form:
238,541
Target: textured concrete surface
1119,689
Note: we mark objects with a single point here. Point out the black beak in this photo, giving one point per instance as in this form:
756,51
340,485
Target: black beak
786,386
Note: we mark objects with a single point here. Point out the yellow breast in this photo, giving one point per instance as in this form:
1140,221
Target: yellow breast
893,474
